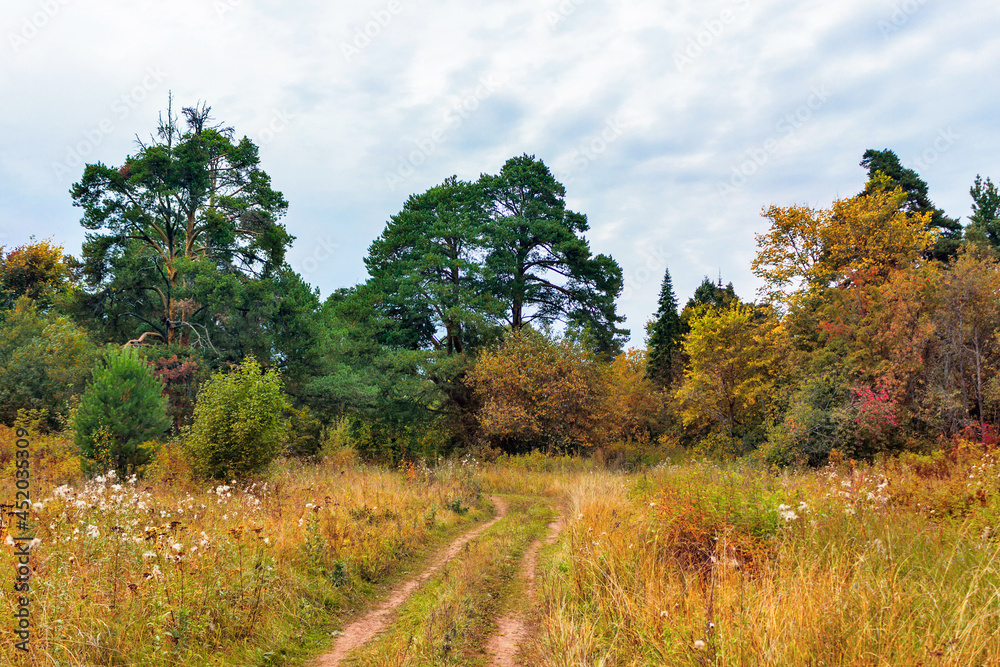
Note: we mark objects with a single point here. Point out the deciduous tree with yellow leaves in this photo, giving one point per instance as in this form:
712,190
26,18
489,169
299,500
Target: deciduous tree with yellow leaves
37,270
735,360
857,240
537,393
542,392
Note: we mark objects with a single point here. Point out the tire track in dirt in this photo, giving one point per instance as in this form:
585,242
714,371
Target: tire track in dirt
512,630
362,630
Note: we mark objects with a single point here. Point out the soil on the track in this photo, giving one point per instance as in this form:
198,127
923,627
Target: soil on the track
362,630
512,630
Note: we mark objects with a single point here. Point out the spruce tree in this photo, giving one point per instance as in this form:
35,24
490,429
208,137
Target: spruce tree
713,295
984,223
121,410
665,333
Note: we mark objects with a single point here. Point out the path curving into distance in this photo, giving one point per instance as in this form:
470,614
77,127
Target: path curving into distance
362,630
512,630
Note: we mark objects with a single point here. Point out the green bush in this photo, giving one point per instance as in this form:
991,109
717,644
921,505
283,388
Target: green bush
121,410
45,360
238,426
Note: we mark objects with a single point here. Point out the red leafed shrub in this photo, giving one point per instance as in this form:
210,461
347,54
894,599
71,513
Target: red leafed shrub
179,387
876,410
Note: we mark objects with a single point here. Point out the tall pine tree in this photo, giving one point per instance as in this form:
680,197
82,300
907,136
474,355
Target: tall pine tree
665,333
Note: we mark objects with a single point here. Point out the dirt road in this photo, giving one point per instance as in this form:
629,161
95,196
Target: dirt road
362,630
512,630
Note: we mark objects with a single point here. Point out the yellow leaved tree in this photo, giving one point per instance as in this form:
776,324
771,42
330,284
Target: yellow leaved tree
37,270
791,251
735,361
633,406
857,240
537,393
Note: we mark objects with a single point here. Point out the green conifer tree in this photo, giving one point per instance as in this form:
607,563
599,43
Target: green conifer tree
984,223
665,333
120,410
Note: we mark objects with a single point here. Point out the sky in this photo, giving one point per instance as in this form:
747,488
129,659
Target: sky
671,124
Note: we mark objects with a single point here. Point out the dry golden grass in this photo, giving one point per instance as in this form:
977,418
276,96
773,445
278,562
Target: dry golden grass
696,563
174,571
701,564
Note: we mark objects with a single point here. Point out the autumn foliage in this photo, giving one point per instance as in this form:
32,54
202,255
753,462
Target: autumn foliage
861,238
38,271
864,345
730,380
539,392
888,349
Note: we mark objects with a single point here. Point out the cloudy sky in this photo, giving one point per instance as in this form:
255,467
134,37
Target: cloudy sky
670,123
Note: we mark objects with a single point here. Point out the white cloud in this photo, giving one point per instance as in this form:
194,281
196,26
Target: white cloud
568,66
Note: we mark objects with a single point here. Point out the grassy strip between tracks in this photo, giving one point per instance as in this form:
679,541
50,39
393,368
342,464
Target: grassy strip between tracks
448,621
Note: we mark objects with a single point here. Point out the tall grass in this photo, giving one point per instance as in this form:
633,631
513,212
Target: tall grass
176,571
701,564
694,563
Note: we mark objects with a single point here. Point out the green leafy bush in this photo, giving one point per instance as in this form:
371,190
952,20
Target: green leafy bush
120,412
238,426
45,360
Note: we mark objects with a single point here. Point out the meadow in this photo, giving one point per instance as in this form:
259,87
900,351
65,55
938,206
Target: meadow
690,561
